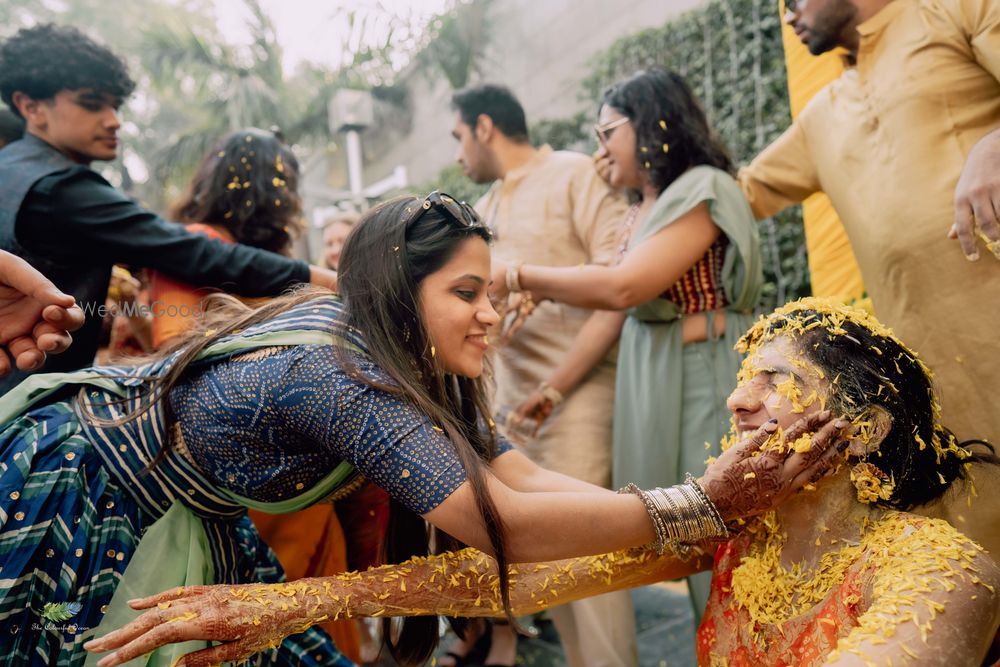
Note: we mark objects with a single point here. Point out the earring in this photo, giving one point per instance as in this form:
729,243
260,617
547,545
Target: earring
872,484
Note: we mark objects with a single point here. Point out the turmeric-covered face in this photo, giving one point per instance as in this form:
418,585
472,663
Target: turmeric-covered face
776,381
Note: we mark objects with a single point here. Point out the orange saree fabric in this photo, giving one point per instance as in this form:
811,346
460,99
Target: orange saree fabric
727,636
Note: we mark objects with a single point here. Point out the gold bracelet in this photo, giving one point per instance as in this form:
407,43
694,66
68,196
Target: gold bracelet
513,277
553,395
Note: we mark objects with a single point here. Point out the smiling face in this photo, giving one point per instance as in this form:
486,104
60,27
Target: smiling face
777,382
456,309
823,25
81,124
334,236
618,143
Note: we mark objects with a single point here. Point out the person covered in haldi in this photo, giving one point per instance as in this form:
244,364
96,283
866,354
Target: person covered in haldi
839,574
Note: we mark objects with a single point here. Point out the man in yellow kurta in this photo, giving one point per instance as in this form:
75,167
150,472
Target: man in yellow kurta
888,142
551,208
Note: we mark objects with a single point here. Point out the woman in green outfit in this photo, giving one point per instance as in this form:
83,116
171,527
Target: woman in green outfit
688,277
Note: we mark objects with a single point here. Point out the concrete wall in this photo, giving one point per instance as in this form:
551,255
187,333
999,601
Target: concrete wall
540,48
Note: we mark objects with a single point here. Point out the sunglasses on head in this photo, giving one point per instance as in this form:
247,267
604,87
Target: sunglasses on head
456,211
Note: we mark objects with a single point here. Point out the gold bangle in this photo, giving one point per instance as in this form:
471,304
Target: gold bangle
553,395
513,277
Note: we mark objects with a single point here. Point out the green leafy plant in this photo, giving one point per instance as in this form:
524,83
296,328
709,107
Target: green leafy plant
57,612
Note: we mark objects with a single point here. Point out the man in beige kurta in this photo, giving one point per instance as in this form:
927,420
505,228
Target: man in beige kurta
555,210
887,142
551,208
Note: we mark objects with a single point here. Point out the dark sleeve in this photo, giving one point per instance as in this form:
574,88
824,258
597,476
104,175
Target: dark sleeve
81,215
384,436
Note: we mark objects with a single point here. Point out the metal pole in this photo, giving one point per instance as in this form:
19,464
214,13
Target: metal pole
354,164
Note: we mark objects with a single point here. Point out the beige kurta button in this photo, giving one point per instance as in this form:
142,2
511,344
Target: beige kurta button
14,495
78,552
70,456
19,516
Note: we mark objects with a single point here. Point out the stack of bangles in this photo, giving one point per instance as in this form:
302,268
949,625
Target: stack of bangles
682,516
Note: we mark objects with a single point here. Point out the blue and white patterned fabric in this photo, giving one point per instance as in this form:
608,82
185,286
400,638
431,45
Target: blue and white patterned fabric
77,493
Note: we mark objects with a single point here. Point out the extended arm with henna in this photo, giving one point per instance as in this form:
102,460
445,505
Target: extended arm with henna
254,617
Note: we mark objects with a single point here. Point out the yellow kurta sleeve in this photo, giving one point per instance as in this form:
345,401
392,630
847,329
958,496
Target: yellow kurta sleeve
781,176
979,20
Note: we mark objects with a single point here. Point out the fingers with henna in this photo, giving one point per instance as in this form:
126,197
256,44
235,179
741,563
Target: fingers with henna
145,622
827,444
178,593
229,652
161,635
824,465
810,423
126,633
747,448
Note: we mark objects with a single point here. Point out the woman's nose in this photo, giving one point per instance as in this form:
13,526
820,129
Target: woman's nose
488,315
746,397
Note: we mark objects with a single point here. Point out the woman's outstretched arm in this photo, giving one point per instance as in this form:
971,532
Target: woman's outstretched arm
649,268
254,617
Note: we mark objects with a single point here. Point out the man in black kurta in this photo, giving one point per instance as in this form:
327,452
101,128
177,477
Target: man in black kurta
69,222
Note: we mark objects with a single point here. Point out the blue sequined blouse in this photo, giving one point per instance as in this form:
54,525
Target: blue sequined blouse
273,423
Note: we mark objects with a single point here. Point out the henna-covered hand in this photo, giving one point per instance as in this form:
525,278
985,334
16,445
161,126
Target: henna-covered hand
519,308
254,617
536,407
749,478
247,619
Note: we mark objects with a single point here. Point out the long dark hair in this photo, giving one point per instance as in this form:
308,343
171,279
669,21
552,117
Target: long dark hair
247,184
665,113
868,367
382,266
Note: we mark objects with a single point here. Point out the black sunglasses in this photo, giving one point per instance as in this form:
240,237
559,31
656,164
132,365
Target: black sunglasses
457,211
